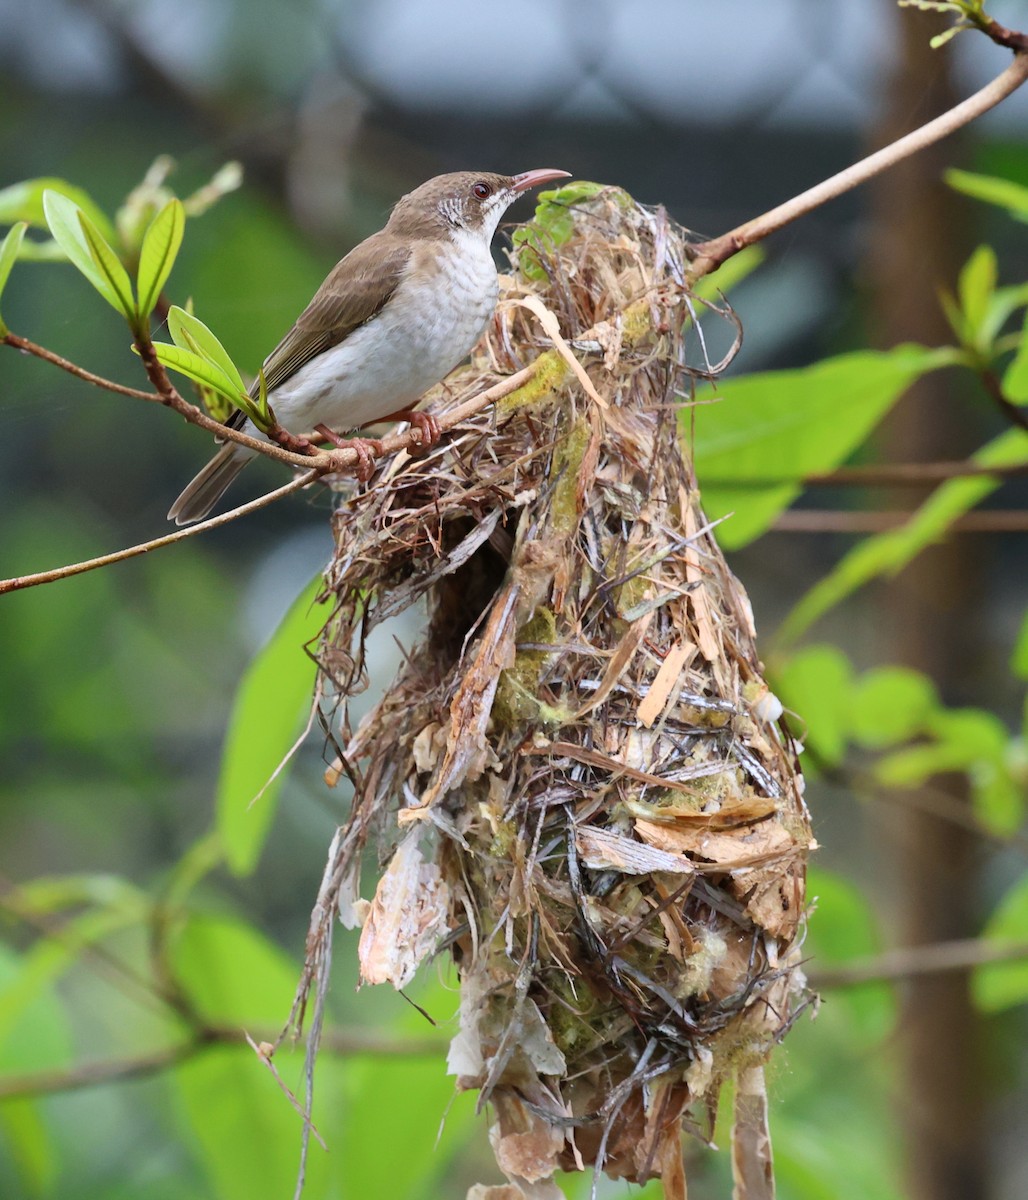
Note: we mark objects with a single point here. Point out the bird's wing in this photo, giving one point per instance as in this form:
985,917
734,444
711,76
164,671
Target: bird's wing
357,288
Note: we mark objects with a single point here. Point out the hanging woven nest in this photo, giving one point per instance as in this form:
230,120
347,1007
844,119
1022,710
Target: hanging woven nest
577,780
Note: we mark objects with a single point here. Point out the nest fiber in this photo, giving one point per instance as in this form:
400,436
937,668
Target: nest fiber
577,784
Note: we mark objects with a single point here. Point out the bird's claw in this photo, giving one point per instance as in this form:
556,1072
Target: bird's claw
429,429
289,441
424,423
367,450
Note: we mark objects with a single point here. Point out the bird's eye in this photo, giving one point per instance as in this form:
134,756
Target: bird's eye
482,190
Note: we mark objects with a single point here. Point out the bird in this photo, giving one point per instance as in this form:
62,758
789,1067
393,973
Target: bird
393,318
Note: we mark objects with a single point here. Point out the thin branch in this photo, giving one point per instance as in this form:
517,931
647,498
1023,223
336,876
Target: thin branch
876,475
813,520
929,798
317,466
27,347
105,560
710,255
93,1074
303,454
963,955
1003,36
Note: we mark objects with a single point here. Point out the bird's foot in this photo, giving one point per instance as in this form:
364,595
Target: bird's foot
290,441
366,449
424,423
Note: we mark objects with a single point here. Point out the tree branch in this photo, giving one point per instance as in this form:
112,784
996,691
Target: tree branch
105,560
340,1042
27,347
905,963
815,520
711,254
320,464
876,475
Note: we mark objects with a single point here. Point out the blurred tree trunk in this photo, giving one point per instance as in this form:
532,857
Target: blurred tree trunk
919,242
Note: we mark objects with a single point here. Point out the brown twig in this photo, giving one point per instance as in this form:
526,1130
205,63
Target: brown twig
1003,36
171,397
876,475
105,560
708,256
963,955
814,520
93,1074
27,347
320,464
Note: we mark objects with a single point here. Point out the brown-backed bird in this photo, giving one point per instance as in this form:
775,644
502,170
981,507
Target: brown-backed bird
394,317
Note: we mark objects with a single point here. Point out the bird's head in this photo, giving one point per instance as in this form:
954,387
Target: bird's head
471,200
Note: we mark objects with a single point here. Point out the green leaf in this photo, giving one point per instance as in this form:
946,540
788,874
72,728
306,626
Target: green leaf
24,202
1002,192
941,39
200,370
886,553
975,742
998,798
891,705
69,227
50,958
1002,303
553,223
110,267
417,1094
999,986
191,333
1015,378
815,683
781,425
962,738
975,287
157,256
263,407
226,179
45,251
49,894
237,979
268,715
39,1040
425,1116
843,928
231,974
8,253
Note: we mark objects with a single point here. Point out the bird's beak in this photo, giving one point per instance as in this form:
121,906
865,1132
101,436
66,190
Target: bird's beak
531,179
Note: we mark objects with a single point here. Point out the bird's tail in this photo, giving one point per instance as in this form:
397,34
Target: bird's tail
201,495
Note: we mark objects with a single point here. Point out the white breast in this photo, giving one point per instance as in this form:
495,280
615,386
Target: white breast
417,339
